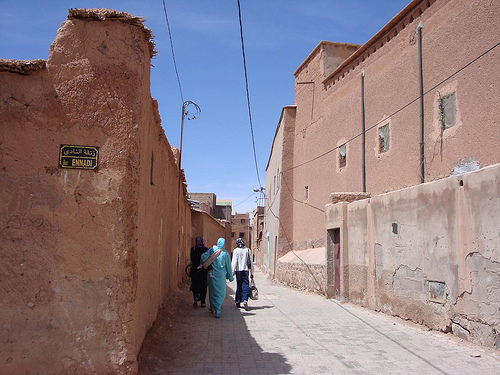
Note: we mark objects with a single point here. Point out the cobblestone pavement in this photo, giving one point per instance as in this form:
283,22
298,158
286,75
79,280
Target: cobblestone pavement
292,332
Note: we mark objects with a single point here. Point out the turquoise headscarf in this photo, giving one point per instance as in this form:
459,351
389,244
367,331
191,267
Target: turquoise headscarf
220,243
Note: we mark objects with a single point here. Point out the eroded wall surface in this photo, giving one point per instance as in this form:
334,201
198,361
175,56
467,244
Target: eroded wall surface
88,256
429,253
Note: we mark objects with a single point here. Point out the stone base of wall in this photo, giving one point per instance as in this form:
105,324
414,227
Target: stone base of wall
301,276
303,269
482,333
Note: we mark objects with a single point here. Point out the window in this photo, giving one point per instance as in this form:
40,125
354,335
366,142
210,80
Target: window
306,193
383,139
232,234
342,156
447,111
396,228
242,235
242,221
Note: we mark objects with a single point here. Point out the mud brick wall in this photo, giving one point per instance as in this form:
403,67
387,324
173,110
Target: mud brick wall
88,256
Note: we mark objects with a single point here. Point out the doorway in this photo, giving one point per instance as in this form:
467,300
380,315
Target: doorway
333,263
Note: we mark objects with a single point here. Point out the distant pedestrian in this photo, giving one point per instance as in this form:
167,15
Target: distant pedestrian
198,273
242,267
220,261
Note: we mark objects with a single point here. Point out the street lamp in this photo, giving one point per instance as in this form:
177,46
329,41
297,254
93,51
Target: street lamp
189,116
260,200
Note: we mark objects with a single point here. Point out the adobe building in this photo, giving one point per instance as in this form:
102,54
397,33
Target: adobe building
413,105
240,228
96,228
204,201
257,231
223,209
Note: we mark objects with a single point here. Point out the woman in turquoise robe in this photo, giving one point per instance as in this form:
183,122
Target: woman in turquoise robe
221,270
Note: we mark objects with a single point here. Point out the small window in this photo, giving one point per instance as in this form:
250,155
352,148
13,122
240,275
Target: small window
306,193
232,234
447,111
395,228
242,221
383,139
342,156
242,235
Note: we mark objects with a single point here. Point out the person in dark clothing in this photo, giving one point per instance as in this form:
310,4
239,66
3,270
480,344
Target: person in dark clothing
198,273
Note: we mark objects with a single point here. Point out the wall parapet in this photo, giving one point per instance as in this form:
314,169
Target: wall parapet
23,67
102,14
347,197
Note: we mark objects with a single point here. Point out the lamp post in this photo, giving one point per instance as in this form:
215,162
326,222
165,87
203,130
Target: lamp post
260,199
189,116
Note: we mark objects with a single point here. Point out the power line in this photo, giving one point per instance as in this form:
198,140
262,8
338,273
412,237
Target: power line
244,200
172,48
248,94
397,111
299,201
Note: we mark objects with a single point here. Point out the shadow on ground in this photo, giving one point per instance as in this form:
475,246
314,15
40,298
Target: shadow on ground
192,341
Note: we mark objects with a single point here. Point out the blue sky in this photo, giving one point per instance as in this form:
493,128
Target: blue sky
278,35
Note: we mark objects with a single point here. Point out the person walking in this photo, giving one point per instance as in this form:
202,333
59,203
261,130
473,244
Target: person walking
198,273
242,266
220,261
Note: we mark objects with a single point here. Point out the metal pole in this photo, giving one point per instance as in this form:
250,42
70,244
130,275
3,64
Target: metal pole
421,87
182,131
363,130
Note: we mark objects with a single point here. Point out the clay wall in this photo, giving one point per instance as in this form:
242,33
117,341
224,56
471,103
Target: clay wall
204,225
428,253
454,35
89,256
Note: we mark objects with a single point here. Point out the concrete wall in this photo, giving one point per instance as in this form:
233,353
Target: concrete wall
89,256
328,110
429,253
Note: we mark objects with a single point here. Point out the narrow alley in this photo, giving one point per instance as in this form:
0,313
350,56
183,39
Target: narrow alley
288,331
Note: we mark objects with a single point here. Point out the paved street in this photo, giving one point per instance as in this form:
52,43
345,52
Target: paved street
291,332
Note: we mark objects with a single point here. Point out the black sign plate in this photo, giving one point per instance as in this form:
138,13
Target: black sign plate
78,157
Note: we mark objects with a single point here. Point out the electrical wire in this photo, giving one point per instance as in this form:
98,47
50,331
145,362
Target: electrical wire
244,200
248,94
172,49
397,111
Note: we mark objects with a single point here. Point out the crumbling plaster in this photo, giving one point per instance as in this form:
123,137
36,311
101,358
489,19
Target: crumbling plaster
448,236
